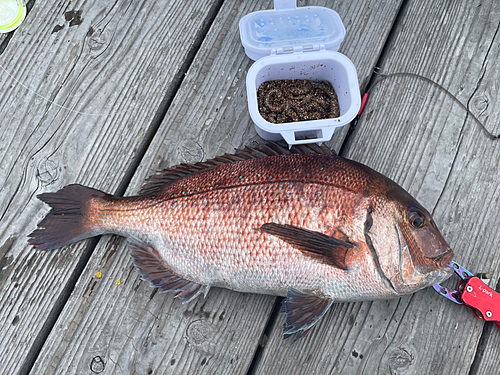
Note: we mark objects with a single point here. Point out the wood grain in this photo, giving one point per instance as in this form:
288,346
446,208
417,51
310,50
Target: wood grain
417,135
208,117
81,83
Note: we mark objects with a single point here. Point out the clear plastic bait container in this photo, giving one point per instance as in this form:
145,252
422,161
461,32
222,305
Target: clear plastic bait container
299,43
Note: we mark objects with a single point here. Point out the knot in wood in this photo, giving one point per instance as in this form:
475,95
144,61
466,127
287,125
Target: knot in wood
200,335
47,172
97,365
480,104
189,152
98,40
400,359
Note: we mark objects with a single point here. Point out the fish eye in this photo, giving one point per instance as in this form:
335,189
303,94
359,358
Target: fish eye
416,219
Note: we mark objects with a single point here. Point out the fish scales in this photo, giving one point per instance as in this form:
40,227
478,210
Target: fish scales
322,169
211,237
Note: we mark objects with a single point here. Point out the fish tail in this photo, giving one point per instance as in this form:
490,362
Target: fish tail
73,217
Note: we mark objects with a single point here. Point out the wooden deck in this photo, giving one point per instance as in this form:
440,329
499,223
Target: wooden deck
104,93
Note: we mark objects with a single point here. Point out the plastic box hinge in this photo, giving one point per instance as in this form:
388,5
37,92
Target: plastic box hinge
298,49
285,4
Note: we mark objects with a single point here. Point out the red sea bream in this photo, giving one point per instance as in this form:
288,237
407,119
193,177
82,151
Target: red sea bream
304,224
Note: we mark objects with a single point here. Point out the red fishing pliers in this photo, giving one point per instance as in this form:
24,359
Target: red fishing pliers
473,293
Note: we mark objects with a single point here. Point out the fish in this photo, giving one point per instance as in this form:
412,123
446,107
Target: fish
304,224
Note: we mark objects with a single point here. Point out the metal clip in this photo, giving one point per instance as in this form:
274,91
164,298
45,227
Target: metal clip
473,293
455,295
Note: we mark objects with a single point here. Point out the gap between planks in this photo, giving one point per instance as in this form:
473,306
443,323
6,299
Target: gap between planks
160,114
274,316
486,331
488,328
167,100
373,76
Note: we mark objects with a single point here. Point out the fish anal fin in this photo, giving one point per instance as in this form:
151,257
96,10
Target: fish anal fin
159,276
320,246
303,310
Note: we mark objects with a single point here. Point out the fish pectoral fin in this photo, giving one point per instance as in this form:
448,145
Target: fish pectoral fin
158,275
317,245
303,310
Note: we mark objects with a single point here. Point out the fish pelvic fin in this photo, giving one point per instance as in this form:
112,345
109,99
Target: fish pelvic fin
71,218
151,269
303,310
319,246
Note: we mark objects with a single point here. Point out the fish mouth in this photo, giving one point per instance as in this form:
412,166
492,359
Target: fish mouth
442,260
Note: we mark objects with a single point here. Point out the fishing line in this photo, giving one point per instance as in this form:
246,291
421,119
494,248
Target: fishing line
383,77
47,99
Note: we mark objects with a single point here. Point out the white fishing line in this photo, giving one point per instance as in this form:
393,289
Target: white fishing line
47,99
383,77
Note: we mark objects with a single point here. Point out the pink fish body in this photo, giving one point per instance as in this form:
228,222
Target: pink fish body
313,227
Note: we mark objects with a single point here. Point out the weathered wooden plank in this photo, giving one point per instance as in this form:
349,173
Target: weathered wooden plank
415,134
129,326
80,85
486,361
483,239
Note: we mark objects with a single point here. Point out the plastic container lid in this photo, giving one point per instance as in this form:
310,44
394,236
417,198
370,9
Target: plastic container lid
288,26
12,13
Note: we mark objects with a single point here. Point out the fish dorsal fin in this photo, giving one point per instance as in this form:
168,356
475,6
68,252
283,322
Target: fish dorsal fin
316,245
152,270
156,183
303,310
